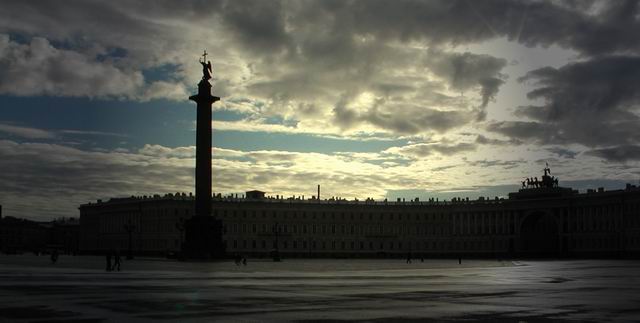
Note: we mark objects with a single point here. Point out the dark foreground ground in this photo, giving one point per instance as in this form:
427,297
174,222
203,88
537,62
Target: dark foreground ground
77,289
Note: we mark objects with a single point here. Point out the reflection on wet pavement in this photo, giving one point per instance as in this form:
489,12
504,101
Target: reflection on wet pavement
77,289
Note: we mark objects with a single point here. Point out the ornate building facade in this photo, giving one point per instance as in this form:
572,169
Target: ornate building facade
542,220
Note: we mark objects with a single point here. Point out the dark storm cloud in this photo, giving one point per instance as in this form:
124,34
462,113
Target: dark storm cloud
412,120
505,164
308,52
465,71
592,102
623,153
563,152
526,131
483,140
260,25
568,24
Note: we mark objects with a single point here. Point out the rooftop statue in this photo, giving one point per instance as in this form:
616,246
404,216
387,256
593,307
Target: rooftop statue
547,170
546,181
206,67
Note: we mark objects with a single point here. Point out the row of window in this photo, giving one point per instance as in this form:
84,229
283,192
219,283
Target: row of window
325,229
305,245
286,214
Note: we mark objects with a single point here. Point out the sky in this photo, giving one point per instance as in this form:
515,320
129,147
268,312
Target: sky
380,99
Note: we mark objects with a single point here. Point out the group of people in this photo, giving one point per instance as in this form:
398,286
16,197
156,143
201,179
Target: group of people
117,261
410,257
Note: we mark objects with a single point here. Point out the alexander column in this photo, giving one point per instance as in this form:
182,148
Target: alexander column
203,233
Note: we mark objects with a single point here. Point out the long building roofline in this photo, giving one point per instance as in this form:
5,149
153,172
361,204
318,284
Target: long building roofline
530,193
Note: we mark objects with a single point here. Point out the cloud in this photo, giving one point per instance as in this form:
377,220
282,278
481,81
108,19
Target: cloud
41,69
26,132
166,152
466,71
51,180
309,62
592,102
345,69
426,149
504,164
622,153
527,131
483,140
563,152
50,134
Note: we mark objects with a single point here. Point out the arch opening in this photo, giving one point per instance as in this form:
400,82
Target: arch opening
539,235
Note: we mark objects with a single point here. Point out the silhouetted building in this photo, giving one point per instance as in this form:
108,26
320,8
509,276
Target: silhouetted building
64,235
21,235
255,195
544,220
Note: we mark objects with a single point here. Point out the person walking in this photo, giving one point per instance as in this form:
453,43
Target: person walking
116,261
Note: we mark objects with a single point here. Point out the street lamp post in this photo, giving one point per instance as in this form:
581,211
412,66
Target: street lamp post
129,227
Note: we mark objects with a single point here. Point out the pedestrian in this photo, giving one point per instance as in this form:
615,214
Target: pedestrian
459,260
108,260
244,261
116,261
54,256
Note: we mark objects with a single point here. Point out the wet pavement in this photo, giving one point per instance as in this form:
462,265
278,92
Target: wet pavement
78,289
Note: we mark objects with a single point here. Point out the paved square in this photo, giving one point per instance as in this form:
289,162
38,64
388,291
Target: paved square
78,289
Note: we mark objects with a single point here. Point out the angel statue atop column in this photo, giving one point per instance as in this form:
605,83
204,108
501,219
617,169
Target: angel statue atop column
206,67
